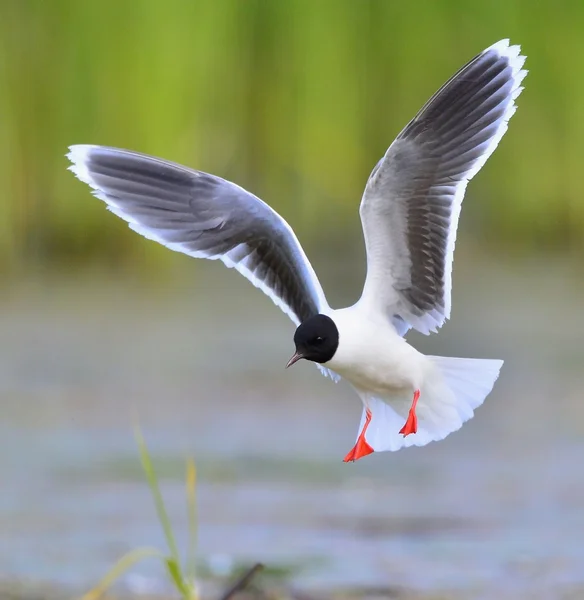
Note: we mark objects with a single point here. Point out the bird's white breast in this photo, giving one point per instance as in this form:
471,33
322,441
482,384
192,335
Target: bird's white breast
372,356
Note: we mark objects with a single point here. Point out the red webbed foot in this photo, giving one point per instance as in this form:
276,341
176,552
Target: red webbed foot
361,448
411,425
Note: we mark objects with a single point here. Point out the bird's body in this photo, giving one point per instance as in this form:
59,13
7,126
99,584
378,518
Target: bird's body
373,356
386,372
409,212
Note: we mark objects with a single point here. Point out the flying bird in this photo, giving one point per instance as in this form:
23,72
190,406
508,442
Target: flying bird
409,213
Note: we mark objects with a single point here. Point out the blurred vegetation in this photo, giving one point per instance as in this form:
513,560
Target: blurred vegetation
182,577
295,100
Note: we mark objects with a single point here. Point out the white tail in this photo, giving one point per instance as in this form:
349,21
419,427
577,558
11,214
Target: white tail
448,398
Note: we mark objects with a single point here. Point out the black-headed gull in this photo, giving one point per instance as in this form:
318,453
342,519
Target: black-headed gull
409,212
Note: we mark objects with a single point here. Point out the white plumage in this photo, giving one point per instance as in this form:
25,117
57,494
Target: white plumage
409,211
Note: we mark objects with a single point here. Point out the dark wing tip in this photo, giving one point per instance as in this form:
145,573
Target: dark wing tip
480,93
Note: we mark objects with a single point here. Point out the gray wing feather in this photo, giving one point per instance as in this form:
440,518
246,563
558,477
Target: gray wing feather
206,217
412,201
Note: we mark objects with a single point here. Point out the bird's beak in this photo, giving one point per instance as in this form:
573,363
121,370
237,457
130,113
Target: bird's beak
295,358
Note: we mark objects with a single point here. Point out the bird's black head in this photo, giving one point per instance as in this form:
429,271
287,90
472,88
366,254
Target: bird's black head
316,339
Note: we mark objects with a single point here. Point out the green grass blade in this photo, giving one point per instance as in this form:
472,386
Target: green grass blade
175,573
158,501
124,564
190,566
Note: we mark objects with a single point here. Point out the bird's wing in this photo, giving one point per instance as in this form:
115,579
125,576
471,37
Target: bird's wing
206,217
412,200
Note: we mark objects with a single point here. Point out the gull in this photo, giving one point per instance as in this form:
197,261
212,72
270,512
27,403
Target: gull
409,212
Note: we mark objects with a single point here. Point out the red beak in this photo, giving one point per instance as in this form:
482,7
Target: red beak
295,358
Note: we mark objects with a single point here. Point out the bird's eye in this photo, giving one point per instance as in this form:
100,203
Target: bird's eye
318,340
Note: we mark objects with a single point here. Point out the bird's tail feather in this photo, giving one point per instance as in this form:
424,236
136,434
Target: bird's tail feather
447,399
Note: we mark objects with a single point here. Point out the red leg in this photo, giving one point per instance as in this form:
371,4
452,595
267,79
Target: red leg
411,425
361,448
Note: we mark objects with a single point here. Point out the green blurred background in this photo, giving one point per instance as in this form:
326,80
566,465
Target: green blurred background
295,100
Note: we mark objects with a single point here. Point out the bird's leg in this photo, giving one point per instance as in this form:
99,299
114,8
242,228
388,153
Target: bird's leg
411,425
361,448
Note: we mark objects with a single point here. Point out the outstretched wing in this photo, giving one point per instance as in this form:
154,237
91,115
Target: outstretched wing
412,201
206,217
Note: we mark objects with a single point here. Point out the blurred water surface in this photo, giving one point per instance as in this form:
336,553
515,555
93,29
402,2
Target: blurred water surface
199,361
